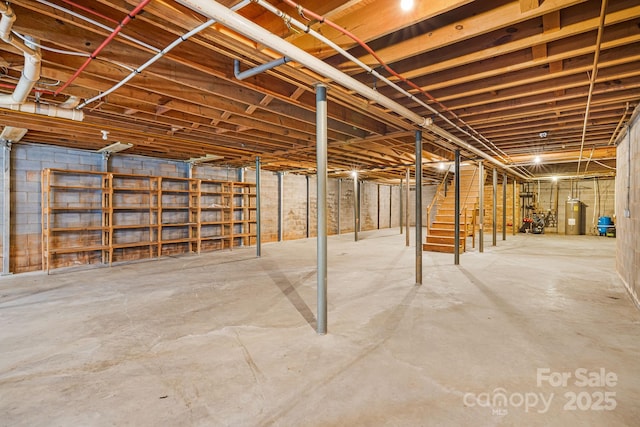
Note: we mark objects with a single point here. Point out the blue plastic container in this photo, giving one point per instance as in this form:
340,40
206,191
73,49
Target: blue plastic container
604,223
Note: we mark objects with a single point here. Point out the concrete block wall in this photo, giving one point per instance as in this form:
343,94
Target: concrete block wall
380,204
27,162
627,210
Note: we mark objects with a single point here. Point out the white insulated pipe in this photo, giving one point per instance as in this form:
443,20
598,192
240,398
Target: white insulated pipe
32,58
247,28
30,75
46,110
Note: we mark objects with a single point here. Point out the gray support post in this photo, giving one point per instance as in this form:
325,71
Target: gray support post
321,159
513,210
258,220
308,203
494,211
240,175
378,206
419,207
456,211
190,167
338,207
106,161
280,207
406,207
356,206
390,206
6,207
400,205
504,206
481,207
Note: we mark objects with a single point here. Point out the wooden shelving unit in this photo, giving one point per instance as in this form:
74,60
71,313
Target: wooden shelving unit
100,217
244,213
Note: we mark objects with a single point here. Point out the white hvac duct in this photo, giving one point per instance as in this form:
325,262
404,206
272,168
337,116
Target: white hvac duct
247,28
30,75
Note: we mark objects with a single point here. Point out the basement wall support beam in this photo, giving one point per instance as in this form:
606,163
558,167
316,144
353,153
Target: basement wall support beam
504,206
258,220
481,207
338,210
321,159
406,207
513,210
6,207
280,207
494,210
106,161
418,207
456,211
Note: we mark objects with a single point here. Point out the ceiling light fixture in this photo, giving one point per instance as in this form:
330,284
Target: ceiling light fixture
537,160
406,5
105,134
354,174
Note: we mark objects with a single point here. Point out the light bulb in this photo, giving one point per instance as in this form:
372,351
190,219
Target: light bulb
406,5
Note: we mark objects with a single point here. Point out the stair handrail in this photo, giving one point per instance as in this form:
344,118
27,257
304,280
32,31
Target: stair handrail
475,170
437,198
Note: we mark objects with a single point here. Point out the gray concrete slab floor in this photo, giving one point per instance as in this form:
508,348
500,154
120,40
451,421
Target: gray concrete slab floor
536,331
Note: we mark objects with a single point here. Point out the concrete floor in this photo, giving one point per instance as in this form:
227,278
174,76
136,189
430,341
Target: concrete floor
228,339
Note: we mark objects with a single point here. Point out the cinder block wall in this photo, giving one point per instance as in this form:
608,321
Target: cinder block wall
27,162
628,200
380,204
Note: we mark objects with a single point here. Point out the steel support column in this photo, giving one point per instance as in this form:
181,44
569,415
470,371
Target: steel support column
513,208
280,207
481,206
356,206
400,206
418,207
456,211
321,159
308,207
494,209
406,207
258,220
6,207
339,205
504,206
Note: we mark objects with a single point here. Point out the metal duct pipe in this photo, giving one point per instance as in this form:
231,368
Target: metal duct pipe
241,75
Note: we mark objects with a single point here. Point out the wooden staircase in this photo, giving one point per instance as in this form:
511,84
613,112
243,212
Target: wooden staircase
440,232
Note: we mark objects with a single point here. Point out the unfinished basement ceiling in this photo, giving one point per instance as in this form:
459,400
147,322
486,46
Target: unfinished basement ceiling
515,74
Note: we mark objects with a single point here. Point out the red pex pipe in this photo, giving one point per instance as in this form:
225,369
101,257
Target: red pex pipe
95,53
